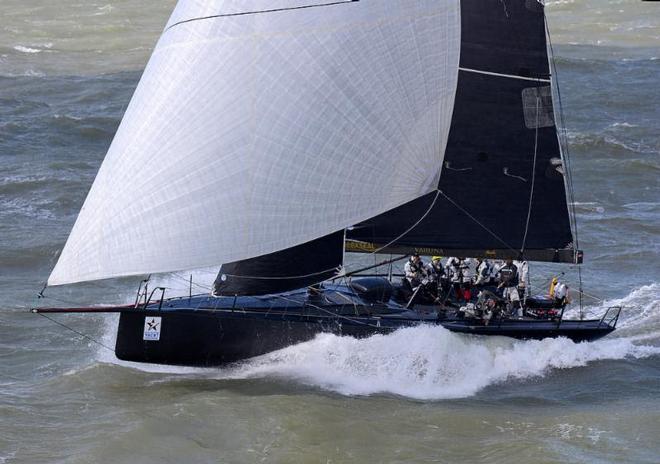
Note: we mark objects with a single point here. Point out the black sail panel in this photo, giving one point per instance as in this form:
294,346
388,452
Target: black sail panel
284,270
504,36
502,153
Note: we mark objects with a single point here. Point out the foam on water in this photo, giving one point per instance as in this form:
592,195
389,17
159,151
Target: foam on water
24,49
430,362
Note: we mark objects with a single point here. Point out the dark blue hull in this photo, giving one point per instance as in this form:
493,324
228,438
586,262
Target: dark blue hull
207,331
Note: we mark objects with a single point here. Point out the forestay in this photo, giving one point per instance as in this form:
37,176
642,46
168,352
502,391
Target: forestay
259,125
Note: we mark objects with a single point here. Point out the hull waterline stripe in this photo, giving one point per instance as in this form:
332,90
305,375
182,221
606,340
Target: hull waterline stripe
510,76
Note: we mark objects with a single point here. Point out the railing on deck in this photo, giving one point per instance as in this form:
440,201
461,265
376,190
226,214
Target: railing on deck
143,298
611,316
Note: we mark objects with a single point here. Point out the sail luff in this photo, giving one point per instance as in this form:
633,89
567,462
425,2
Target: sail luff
562,139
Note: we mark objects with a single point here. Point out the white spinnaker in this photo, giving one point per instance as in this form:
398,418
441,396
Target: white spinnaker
252,133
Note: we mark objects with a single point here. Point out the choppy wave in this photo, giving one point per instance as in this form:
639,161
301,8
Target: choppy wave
429,362
641,312
607,142
432,363
24,49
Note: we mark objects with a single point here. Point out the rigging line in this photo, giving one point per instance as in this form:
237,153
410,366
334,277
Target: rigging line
581,292
59,300
566,151
41,293
348,285
497,237
593,297
247,13
437,193
186,280
568,168
93,340
531,190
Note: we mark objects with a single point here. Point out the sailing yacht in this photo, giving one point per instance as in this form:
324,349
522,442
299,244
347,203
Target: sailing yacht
271,137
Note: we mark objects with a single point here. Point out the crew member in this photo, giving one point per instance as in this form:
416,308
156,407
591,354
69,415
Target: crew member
467,276
483,272
415,271
560,294
523,272
495,267
436,274
487,305
461,277
553,284
434,270
508,278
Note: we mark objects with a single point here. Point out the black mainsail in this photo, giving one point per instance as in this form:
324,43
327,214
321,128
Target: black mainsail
284,270
502,190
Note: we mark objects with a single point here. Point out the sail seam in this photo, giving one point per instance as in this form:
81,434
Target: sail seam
510,76
248,13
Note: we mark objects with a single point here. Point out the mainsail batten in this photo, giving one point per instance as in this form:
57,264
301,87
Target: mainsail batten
250,134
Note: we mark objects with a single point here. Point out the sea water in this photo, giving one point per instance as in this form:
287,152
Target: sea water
67,72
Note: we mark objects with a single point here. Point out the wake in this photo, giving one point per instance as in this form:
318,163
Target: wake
431,363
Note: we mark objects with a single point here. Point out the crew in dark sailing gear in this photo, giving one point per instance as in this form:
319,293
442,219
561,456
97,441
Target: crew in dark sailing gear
487,304
495,267
508,278
415,271
484,271
450,268
436,275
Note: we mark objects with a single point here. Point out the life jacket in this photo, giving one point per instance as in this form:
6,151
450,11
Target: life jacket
553,284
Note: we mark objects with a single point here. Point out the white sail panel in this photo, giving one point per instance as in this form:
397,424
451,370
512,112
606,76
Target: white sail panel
254,132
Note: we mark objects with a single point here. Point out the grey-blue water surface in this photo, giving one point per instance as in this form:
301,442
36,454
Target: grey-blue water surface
419,395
